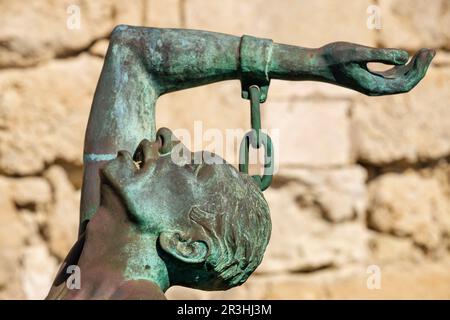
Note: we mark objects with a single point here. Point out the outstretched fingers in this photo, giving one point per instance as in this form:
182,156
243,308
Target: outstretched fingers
401,78
363,54
387,56
420,63
407,77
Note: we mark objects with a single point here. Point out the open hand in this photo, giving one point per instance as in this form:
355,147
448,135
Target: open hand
347,66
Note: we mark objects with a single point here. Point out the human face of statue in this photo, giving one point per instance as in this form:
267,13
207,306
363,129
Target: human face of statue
159,190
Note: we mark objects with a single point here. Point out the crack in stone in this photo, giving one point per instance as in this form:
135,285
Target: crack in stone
62,56
400,166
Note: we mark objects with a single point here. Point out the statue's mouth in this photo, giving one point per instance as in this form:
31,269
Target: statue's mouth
138,159
147,152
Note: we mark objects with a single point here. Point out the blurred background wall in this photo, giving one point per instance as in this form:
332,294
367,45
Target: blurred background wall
361,202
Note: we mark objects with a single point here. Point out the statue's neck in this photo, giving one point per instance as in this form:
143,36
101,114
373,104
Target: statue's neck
118,262
109,287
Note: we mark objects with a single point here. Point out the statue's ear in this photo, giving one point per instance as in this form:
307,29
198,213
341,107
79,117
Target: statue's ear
185,250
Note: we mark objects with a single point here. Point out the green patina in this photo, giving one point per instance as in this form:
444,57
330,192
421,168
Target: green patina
199,225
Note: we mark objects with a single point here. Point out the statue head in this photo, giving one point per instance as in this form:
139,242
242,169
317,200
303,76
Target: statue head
211,222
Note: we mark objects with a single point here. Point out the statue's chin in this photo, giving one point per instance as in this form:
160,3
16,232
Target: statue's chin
110,196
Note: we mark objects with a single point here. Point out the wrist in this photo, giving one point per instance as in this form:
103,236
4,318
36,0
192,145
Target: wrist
298,63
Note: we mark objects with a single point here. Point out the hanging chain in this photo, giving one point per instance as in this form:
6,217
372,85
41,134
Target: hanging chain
256,138
255,114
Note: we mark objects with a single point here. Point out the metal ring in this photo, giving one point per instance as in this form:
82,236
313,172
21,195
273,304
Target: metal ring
265,180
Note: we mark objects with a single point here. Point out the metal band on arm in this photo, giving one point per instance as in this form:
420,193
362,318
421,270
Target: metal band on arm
255,55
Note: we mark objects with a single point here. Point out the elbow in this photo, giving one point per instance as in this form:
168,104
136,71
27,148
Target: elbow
132,41
125,41
121,33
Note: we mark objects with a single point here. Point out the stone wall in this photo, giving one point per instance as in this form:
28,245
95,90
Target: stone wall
363,188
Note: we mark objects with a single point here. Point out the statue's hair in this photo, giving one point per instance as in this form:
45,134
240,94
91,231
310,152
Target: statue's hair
238,230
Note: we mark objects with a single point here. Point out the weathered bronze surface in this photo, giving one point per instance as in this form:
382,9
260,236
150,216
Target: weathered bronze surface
148,223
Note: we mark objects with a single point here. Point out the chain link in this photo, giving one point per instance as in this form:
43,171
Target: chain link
256,138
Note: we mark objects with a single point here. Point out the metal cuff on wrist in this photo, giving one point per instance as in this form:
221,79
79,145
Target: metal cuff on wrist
254,56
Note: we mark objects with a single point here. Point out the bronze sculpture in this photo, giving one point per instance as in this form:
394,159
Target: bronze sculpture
148,223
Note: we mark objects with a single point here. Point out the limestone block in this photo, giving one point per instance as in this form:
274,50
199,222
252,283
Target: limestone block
389,249
13,235
428,280
99,48
408,205
43,113
310,133
281,90
415,24
163,13
256,287
410,127
39,271
338,194
30,191
304,23
12,231
301,239
36,31
62,220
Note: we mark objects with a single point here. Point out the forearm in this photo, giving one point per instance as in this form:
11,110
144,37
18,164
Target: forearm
189,58
298,63
178,59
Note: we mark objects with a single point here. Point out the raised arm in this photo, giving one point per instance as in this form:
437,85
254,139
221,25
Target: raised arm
143,63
